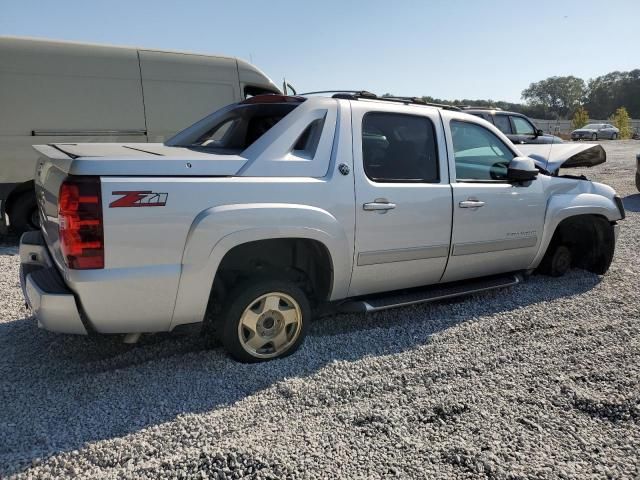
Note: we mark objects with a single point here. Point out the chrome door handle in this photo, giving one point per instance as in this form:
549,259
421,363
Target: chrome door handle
471,203
384,206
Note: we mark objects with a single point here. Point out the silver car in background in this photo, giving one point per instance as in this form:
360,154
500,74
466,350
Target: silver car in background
596,131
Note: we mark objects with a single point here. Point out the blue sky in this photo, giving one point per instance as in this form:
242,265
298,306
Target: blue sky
448,49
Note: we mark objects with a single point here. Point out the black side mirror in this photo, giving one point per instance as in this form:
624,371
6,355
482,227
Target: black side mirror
539,133
521,169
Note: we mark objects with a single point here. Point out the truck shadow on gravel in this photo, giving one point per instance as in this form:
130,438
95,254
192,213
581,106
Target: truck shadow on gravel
59,392
632,202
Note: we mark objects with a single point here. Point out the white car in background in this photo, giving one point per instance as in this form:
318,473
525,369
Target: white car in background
596,131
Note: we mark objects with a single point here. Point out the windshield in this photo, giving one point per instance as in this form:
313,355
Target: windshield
593,126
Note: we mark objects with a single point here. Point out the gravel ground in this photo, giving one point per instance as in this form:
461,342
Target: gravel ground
537,381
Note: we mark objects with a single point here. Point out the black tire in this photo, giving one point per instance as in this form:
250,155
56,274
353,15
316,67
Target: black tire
638,181
232,333
614,136
600,258
557,261
24,213
594,137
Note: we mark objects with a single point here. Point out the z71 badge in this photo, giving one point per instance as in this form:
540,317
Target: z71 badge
139,198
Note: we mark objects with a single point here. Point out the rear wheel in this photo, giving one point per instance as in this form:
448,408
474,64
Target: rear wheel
24,213
264,319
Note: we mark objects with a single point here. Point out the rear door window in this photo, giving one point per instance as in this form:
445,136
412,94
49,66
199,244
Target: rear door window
399,148
503,124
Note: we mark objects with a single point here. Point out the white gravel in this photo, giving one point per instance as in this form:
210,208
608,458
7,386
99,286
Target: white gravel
538,381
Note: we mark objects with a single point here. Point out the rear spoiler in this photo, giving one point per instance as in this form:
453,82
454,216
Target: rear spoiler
53,152
552,157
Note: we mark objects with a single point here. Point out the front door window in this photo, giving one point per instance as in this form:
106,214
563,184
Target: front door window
479,153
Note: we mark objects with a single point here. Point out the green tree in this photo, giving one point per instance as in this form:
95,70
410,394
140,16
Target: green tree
560,95
622,121
608,92
580,118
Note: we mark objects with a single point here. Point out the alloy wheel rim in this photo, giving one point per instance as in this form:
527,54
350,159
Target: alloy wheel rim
270,325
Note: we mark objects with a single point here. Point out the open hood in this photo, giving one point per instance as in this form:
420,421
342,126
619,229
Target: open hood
554,156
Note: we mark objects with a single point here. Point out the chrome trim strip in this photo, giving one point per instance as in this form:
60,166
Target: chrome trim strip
402,255
85,133
493,245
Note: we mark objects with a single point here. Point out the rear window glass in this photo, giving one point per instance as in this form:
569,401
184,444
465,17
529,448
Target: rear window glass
232,129
502,122
399,148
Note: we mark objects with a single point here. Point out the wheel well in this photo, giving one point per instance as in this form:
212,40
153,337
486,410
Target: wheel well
16,192
591,240
305,262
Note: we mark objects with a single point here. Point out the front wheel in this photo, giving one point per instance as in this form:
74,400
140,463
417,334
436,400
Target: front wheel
557,261
594,137
614,136
264,319
638,181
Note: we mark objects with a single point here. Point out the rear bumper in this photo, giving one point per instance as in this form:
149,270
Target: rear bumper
51,301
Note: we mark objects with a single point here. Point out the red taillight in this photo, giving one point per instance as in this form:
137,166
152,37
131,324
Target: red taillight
80,223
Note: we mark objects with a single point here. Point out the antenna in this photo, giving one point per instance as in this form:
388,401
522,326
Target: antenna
287,86
555,130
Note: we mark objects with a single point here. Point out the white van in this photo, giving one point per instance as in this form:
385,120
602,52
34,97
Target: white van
53,92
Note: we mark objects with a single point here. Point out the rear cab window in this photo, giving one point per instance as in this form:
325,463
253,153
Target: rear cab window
235,128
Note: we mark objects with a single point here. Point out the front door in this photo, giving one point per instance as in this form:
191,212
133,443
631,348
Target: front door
497,225
403,198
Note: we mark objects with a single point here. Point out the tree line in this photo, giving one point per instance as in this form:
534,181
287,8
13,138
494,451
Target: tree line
561,97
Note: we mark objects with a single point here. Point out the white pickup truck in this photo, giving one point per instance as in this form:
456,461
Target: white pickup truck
277,206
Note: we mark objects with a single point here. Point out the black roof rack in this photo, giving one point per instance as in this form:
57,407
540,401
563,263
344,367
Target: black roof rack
471,107
365,95
337,92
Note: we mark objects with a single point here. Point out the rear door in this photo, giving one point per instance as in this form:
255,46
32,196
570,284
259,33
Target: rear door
403,197
497,225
